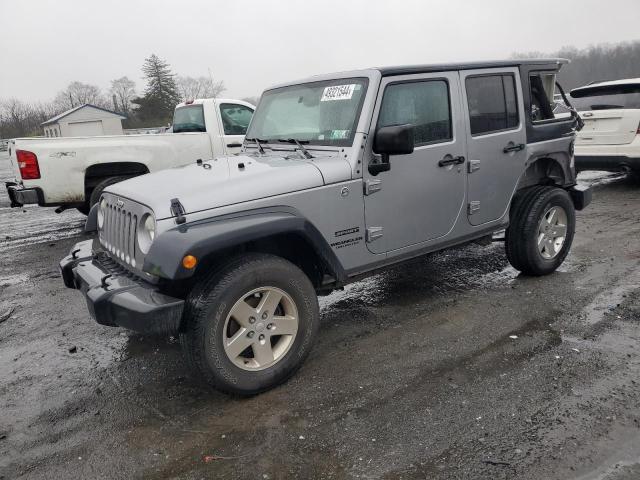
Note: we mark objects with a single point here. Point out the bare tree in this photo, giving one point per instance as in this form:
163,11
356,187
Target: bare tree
191,88
595,63
78,93
123,91
19,119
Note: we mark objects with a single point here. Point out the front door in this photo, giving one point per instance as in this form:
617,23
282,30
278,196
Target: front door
421,196
496,141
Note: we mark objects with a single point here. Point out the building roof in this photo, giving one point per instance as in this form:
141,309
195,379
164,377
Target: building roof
409,69
70,111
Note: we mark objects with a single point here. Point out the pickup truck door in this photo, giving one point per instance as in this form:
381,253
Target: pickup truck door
421,196
496,140
234,120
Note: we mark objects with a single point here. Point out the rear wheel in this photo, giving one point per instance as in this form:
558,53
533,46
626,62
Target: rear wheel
250,325
541,230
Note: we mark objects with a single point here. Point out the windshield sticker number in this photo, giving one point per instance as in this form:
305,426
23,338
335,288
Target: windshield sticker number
338,92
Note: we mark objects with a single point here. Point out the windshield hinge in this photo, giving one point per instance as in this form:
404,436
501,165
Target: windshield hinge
473,207
371,186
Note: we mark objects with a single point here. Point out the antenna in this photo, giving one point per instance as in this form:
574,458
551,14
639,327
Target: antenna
213,86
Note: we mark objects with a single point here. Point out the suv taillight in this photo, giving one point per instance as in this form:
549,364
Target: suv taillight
28,165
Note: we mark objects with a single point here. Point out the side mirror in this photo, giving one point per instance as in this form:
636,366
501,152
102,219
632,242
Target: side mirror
394,140
391,140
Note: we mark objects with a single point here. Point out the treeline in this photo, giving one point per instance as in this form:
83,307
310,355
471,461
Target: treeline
150,108
595,64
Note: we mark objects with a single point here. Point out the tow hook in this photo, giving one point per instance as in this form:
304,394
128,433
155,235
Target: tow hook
104,279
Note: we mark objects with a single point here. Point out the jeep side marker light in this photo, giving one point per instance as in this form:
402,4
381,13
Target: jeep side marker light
189,262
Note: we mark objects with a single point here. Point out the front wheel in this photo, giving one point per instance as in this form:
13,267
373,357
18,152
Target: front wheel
250,324
541,229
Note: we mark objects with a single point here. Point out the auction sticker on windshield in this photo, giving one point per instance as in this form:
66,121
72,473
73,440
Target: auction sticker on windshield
338,92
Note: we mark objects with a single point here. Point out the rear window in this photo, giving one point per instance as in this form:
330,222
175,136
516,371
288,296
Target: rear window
606,102
189,119
492,103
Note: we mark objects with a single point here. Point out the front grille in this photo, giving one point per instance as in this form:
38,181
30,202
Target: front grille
119,230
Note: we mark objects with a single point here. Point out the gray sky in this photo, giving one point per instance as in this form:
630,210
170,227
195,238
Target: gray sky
46,44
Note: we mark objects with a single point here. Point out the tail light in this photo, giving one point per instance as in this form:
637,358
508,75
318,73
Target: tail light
28,165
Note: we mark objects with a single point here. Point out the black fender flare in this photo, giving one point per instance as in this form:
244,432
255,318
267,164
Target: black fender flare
205,237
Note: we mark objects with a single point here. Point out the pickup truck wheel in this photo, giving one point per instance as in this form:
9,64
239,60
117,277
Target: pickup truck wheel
96,193
250,324
541,229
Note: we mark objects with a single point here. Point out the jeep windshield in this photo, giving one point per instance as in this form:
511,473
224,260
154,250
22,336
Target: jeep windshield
318,113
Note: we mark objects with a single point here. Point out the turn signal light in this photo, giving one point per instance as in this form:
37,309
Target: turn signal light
28,165
189,262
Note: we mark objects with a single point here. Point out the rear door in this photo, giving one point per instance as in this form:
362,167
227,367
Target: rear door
235,119
496,140
608,127
610,116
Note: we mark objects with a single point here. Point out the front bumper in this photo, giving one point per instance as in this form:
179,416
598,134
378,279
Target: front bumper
117,298
20,196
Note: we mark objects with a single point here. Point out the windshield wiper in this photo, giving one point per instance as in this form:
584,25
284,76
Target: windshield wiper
258,142
299,143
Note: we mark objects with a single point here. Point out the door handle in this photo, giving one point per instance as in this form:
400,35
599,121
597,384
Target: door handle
233,145
513,148
449,160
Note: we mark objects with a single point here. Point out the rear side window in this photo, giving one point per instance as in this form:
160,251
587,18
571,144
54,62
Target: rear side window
493,104
235,118
424,104
189,119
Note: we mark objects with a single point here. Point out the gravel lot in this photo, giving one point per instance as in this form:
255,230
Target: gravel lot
453,366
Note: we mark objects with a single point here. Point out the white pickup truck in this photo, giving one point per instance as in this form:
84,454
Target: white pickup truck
72,172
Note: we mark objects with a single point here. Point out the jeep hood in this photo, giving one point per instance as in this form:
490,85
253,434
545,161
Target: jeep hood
229,180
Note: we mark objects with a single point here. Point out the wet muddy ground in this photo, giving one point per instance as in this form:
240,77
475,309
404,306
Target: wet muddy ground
449,367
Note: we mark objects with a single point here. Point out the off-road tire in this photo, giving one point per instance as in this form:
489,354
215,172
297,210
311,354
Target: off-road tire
527,210
96,193
209,304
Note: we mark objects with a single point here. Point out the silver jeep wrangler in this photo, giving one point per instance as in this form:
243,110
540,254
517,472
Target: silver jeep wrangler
341,175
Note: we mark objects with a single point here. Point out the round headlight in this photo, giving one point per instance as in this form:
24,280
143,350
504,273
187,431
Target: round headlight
146,232
101,212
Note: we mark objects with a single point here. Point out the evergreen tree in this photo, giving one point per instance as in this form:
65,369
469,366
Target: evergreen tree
161,95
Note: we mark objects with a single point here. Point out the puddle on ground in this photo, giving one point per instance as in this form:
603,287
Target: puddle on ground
441,273
594,178
608,300
8,280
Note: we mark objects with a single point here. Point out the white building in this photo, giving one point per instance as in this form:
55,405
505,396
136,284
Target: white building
84,121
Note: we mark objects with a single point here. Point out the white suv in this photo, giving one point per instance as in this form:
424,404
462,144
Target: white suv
610,139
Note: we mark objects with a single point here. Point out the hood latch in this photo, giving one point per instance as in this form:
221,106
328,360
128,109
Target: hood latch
178,210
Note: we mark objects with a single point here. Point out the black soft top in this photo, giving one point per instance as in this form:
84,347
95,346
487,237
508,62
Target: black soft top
410,69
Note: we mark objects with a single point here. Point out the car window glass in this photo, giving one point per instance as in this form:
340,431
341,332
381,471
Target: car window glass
425,105
492,103
189,119
235,118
